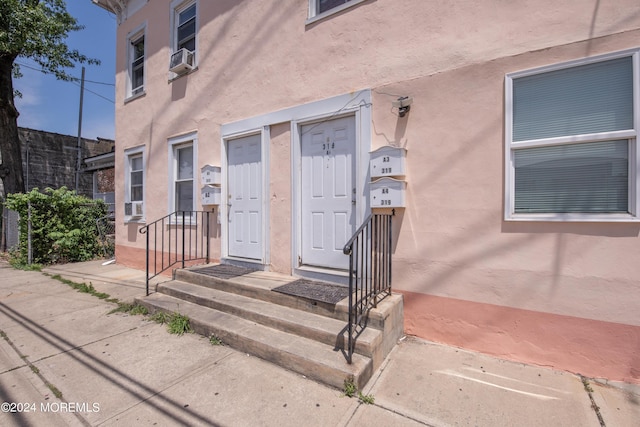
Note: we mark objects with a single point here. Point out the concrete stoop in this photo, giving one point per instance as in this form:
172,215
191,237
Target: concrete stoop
305,336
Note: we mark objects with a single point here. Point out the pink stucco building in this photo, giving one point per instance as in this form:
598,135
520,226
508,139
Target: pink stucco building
516,169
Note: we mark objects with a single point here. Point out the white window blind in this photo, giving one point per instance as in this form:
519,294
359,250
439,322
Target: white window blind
587,99
583,178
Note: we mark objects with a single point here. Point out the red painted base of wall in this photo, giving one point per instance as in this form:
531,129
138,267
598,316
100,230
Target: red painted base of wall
136,258
592,348
131,257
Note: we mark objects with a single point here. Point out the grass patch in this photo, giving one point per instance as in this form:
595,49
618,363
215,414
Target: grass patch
133,309
83,287
587,386
351,390
160,317
57,393
179,324
367,399
18,265
214,340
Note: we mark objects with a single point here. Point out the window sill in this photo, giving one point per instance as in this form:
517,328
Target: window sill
130,220
572,218
333,11
135,96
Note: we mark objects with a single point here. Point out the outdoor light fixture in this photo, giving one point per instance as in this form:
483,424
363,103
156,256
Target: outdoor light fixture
403,104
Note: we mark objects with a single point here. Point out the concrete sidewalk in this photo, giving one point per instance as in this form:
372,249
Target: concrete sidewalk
118,369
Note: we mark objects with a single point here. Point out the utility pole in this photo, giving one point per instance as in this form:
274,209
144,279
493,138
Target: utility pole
29,248
79,147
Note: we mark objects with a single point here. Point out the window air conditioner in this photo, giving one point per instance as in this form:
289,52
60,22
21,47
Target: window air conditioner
134,209
137,209
181,61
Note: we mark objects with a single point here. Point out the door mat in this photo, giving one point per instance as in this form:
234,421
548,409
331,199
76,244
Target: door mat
224,271
317,291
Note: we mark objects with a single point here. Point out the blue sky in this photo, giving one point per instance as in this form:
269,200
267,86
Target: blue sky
52,105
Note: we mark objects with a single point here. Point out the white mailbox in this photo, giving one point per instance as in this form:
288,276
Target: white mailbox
387,193
210,175
210,195
388,161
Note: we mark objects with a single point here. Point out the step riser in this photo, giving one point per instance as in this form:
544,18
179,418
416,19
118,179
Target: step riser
338,311
267,295
315,371
287,325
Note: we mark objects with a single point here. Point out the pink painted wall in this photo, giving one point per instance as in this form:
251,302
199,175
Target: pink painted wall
469,277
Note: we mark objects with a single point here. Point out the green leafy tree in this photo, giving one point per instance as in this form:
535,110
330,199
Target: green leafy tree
37,30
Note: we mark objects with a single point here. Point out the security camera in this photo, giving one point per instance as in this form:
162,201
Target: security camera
403,104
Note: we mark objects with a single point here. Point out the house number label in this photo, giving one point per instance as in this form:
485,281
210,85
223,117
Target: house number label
328,146
387,161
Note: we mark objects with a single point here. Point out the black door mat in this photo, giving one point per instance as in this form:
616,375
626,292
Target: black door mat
224,271
317,291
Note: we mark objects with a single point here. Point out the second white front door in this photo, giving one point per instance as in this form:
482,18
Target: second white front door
245,197
328,192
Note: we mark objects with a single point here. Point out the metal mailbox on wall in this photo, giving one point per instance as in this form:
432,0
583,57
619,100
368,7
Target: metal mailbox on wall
210,175
210,195
387,193
388,161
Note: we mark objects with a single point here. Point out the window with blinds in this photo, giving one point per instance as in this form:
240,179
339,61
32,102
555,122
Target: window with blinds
571,140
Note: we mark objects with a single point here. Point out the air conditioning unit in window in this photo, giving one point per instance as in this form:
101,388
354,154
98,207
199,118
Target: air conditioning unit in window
134,209
181,61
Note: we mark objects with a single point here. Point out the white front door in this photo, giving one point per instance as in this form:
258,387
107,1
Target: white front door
245,197
328,192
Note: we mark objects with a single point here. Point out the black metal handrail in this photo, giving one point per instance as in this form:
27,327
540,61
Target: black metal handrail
176,238
369,253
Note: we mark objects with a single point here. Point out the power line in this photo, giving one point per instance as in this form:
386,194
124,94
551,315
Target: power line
75,82
95,93
72,79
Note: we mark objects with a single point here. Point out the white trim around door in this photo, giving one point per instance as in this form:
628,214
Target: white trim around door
359,197
252,248
354,104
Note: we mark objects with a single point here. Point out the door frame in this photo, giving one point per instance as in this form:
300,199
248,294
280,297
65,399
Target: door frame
357,103
362,119
265,138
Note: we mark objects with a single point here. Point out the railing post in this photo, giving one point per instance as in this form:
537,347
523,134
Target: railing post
350,337
208,236
147,262
183,239
389,250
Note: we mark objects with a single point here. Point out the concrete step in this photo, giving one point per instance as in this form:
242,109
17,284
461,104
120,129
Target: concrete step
260,285
326,330
306,356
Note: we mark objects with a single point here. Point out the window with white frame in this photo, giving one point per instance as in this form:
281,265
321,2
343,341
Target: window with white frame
571,151
137,66
184,178
134,182
136,63
184,26
318,9
182,173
